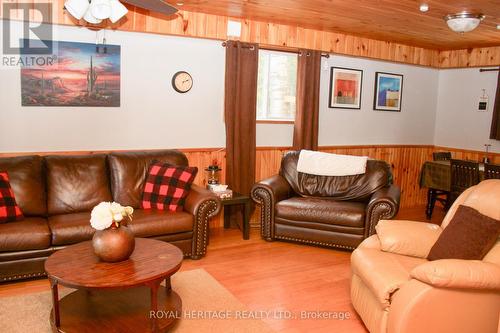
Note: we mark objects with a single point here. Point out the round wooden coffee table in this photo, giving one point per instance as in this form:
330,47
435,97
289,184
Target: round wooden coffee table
115,297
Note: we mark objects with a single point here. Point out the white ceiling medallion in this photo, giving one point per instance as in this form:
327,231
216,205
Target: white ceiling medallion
463,22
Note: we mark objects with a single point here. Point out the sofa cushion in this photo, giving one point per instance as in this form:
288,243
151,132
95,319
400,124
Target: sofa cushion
149,223
9,210
322,210
30,234
470,235
70,228
129,170
383,272
357,187
27,182
76,183
167,186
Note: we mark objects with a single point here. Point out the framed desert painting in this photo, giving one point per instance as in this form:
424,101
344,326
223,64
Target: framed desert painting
388,92
80,75
345,88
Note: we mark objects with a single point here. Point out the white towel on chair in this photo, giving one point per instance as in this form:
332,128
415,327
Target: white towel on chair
325,164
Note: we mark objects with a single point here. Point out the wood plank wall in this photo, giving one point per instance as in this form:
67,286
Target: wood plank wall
406,161
200,25
486,56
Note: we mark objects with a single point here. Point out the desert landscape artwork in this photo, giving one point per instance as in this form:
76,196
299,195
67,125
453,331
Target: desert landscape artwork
81,75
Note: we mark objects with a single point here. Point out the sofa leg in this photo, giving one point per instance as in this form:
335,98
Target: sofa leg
195,257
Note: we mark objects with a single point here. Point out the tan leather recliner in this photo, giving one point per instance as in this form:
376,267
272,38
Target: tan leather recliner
395,289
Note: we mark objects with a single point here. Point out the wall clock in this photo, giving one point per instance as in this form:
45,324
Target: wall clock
182,82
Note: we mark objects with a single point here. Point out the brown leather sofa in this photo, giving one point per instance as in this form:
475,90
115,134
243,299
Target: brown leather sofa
394,288
56,194
327,211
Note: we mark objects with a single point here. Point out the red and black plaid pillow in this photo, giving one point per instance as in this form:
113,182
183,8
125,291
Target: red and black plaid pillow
167,186
9,210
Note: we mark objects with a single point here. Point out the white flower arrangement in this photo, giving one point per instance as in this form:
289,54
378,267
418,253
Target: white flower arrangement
105,214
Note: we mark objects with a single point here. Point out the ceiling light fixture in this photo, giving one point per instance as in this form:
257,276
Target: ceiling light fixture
96,11
463,22
424,7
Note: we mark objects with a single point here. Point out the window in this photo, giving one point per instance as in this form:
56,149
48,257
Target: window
276,86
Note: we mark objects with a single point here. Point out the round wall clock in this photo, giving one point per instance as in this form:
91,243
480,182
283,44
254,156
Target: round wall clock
182,82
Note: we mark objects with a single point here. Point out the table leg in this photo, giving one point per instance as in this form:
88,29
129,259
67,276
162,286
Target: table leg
227,217
55,301
246,221
154,304
168,286
431,201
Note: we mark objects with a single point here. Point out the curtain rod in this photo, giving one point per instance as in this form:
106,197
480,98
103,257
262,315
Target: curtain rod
279,49
489,69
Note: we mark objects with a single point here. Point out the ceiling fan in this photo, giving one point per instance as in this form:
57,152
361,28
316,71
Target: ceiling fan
95,11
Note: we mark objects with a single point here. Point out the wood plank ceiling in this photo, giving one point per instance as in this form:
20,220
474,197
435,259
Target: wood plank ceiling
390,20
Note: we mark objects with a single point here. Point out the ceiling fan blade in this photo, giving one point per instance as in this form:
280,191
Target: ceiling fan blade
157,6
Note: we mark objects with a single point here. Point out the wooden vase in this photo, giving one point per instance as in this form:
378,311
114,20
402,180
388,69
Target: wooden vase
113,244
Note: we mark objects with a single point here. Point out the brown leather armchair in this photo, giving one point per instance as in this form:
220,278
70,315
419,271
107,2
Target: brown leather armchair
328,211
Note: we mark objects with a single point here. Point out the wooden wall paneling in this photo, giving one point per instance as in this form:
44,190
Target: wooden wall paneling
399,21
201,25
406,161
477,57
193,24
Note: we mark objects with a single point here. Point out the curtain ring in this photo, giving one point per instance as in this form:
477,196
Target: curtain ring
252,48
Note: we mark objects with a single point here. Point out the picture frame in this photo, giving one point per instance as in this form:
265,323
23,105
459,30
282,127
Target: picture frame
345,88
84,75
388,92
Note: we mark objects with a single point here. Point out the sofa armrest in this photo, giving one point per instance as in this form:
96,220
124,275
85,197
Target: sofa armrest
407,238
203,205
383,204
459,274
372,242
267,193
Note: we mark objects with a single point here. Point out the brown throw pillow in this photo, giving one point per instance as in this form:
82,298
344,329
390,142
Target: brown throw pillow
470,235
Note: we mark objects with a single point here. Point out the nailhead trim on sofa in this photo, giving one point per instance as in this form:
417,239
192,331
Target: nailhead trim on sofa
315,242
264,199
201,230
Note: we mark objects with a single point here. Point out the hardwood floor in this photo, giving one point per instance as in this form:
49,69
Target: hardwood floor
274,276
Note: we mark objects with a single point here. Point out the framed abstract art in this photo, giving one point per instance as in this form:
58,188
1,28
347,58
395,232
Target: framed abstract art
388,92
345,88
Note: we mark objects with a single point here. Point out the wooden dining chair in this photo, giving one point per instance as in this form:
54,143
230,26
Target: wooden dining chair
433,194
491,171
464,174
441,156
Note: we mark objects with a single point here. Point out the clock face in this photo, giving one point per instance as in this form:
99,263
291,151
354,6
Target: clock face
182,82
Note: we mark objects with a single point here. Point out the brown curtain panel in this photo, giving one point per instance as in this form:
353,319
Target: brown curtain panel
240,114
305,132
495,122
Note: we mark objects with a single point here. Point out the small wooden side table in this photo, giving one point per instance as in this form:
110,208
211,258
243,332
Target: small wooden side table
241,200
